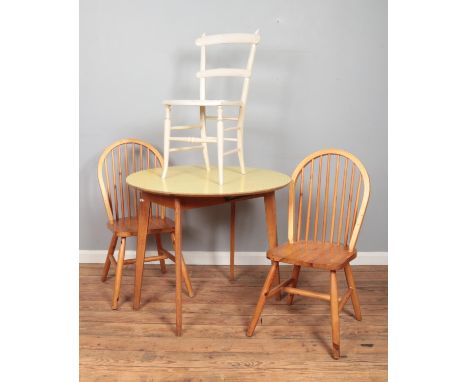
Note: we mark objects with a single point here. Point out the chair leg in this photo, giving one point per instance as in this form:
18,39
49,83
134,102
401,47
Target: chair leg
206,158
262,298
185,275
232,241
110,252
220,138
270,217
241,159
162,263
335,318
354,295
118,274
295,276
240,140
167,135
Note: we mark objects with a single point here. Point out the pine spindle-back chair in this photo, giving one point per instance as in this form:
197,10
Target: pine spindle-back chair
328,197
119,160
201,142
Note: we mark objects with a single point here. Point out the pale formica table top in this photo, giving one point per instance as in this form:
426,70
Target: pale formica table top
196,181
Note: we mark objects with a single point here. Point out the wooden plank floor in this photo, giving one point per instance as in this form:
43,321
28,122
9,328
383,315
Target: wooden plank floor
291,343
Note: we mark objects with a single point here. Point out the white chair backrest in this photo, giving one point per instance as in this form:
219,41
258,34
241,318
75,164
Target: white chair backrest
231,38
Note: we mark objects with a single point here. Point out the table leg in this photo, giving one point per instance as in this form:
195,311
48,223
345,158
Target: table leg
178,265
270,214
143,216
232,241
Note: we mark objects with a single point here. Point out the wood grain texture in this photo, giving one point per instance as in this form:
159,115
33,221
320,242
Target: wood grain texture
312,254
119,198
129,345
129,226
180,203
110,257
118,273
347,207
143,217
126,224
274,269
178,263
318,254
232,241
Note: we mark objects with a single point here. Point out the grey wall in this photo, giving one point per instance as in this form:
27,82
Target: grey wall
320,80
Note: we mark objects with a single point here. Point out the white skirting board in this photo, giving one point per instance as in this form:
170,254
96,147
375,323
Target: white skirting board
222,257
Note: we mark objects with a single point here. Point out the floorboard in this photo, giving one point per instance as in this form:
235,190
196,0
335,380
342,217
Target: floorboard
291,343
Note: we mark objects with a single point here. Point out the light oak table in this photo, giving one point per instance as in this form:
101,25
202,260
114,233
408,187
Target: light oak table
187,187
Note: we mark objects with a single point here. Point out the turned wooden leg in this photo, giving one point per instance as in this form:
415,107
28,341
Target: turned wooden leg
118,274
354,295
110,252
270,214
220,138
178,266
143,216
232,241
262,299
162,263
185,275
335,318
295,276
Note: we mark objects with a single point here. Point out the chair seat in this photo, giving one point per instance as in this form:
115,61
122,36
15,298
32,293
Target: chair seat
129,226
312,254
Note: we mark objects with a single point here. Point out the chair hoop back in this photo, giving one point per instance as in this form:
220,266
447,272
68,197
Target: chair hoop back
117,161
334,190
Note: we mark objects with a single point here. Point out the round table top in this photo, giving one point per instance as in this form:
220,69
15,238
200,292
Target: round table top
196,181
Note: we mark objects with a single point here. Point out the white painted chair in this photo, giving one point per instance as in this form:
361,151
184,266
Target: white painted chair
202,141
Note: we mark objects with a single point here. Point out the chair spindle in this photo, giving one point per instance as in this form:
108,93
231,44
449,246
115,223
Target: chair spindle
116,204
128,187
135,201
309,203
325,209
335,194
348,212
317,201
343,193
356,202
109,198
122,205
299,212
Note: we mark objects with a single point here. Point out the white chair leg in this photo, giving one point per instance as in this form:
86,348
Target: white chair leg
240,146
241,160
203,135
167,135
240,140
220,128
